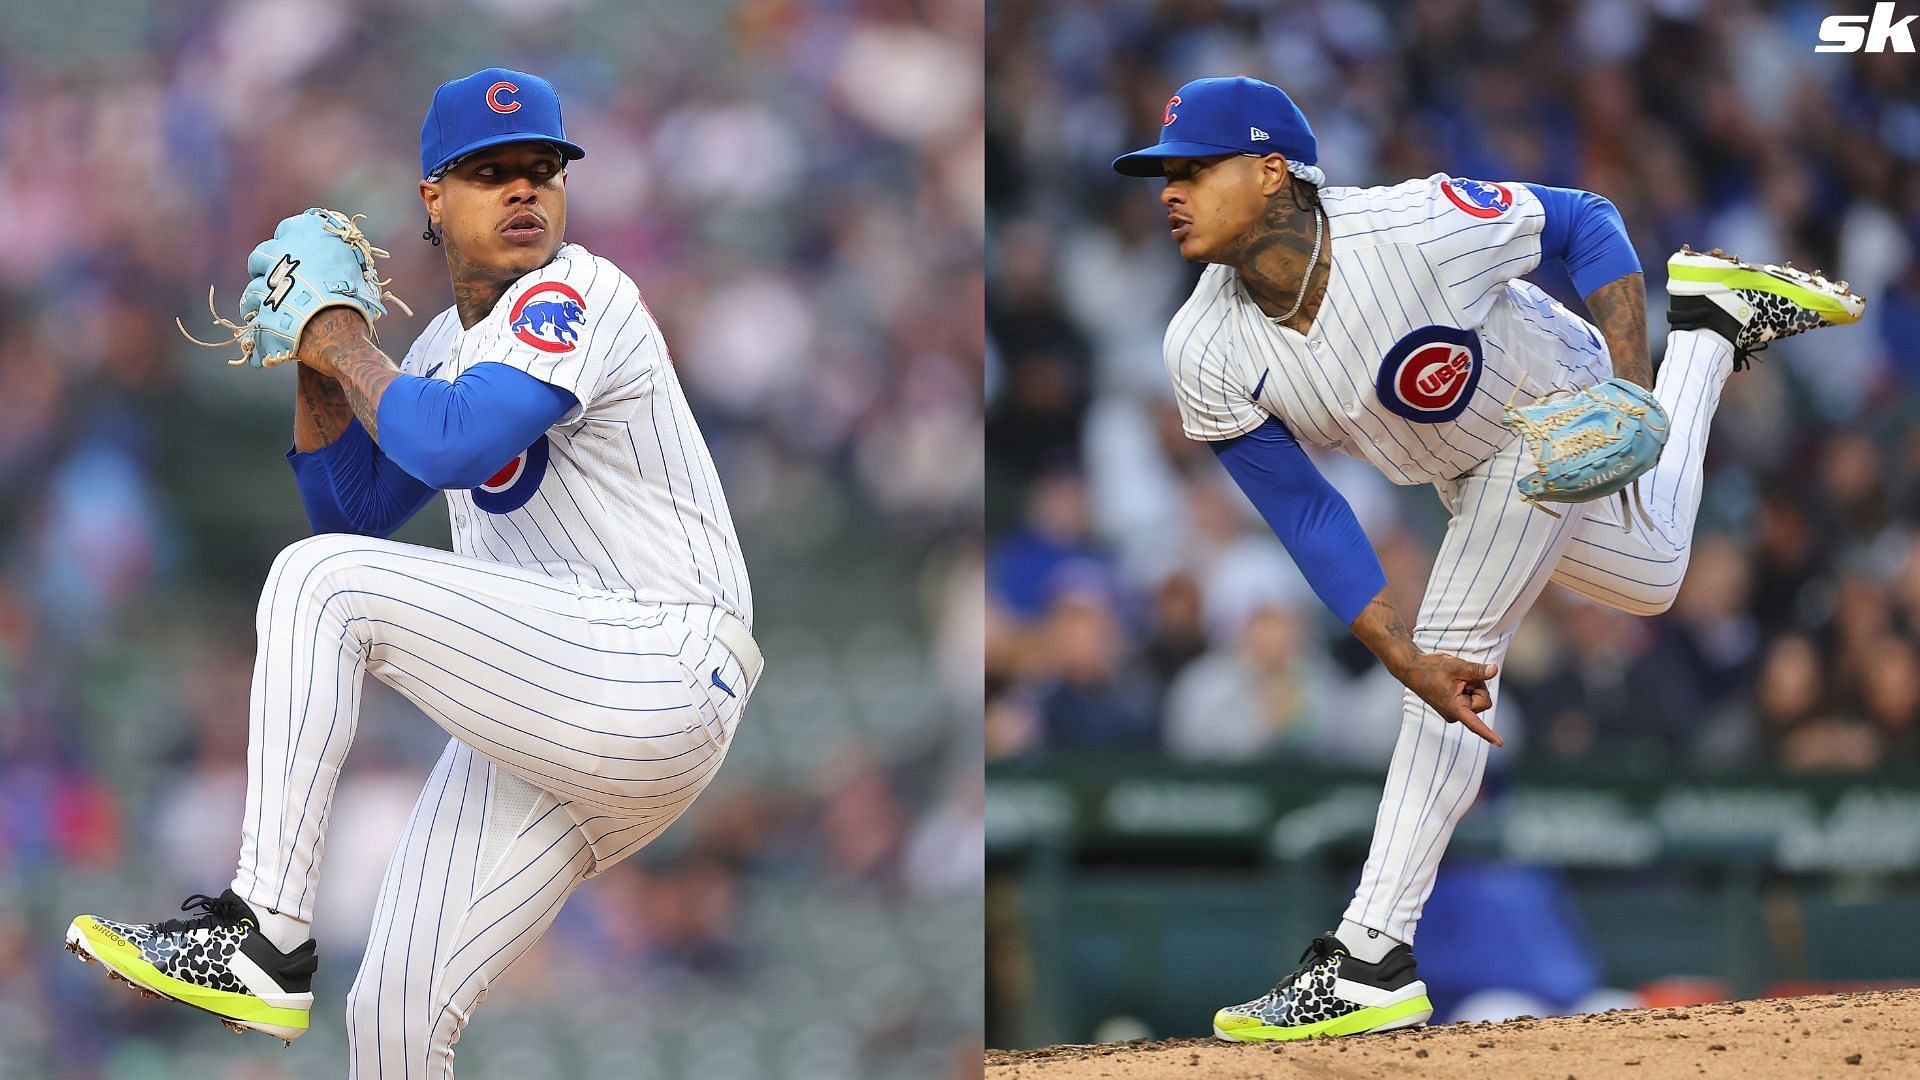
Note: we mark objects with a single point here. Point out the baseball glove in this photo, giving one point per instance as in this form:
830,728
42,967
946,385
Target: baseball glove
1588,444
316,260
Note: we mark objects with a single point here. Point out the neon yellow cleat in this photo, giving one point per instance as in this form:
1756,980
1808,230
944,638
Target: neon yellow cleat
1332,994
219,962
1752,305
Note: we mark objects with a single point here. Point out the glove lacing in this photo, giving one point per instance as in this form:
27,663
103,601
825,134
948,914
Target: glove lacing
1549,446
241,333
348,229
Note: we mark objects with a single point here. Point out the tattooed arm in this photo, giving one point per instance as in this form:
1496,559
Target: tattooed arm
1456,688
1620,309
320,411
335,345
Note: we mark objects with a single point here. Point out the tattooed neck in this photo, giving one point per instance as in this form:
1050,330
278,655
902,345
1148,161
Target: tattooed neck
475,290
1274,254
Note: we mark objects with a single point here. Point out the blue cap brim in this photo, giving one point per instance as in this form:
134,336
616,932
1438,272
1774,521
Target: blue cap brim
1147,162
569,151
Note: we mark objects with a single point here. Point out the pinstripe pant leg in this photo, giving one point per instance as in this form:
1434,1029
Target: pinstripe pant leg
601,701
1639,569
485,864
1497,555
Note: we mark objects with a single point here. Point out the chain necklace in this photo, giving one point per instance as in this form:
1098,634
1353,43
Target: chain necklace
1307,278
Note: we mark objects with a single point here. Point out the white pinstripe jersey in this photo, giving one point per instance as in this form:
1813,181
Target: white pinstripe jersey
1419,342
621,495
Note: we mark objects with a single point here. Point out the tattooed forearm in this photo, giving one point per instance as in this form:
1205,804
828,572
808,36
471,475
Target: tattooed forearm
320,411
1620,309
1381,629
335,343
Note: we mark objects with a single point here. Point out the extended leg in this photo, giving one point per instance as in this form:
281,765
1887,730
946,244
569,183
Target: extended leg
1497,556
485,864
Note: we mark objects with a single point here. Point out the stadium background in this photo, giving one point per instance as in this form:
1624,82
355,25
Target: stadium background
796,188
1184,752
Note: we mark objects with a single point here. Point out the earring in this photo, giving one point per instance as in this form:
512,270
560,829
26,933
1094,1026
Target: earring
430,235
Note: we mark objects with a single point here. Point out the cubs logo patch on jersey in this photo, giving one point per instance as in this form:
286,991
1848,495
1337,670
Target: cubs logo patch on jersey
1479,198
548,317
1429,376
510,488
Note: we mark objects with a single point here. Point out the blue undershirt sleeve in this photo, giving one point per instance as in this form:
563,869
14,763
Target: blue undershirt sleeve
349,486
1584,232
1311,518
454,435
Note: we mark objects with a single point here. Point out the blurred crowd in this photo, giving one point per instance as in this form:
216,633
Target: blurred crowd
1135,601
795,187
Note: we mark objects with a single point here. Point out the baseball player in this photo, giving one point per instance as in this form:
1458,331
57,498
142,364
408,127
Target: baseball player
586,644
1389,323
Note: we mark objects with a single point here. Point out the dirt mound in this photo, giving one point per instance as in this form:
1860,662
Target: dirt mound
1843,1035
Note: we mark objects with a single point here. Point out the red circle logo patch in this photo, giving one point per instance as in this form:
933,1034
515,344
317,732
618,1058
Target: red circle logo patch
1479,197
508,473
1429,376
1431,379
516,482
548,317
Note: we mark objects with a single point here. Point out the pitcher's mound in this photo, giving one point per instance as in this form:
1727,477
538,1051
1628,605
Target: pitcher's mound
1842,1035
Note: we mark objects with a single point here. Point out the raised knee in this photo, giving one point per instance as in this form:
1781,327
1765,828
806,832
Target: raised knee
306,565
305,569
316,549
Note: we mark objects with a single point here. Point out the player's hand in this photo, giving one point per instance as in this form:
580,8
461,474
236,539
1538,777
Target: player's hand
1456,688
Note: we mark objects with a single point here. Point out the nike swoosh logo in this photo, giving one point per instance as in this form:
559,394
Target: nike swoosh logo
721,685
435,368
1262,383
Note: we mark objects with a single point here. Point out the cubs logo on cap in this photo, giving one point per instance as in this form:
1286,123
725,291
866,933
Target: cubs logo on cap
500,97
1429,375
490,107
548,317
1479,197
510,488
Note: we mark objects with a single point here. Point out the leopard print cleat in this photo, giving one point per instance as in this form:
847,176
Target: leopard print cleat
218,961
1332,994
1753,304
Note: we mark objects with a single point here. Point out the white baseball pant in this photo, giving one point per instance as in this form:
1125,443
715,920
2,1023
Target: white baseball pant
1498,554
583,724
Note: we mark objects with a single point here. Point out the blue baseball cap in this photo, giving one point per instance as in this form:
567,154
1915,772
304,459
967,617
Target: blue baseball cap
489,108
1210,117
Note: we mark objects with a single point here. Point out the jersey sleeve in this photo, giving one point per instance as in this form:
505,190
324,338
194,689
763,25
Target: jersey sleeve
1210,384
563,324
1480,234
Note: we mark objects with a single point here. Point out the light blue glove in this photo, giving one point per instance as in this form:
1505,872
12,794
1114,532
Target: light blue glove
316,260
1588,444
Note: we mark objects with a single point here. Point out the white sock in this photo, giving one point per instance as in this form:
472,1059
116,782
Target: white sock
1363,943
286,932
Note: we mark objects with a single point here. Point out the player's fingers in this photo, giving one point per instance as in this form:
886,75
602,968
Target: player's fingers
1469,671
1477,698
1478,726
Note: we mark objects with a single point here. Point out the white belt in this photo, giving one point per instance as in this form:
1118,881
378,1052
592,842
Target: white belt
729,631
